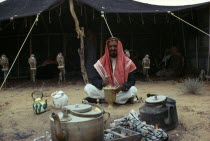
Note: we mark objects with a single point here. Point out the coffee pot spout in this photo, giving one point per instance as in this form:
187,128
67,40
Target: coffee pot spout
61,135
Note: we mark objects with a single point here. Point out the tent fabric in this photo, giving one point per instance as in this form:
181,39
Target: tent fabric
131,6
172,2
10,9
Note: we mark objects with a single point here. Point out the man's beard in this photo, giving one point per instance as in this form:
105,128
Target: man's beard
113,55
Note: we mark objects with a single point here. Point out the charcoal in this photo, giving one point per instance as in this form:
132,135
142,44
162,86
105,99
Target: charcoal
165,135
109,136
153,137
133,122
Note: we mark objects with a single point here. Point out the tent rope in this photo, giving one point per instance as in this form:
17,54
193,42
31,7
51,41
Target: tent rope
102,15
188,23
198,30
36,20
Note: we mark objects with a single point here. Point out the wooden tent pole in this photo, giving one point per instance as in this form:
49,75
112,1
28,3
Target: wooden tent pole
101,41
209,48
63,36
80,34
131,41
30,42
196,50
184,43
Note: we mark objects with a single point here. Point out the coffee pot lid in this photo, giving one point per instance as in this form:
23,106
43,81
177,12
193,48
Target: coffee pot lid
155,99
57,94
84,110
80,108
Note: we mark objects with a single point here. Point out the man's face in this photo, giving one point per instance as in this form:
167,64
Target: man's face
112,45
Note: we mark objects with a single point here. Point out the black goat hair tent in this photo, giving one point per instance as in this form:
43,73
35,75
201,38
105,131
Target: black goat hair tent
10,9
131,6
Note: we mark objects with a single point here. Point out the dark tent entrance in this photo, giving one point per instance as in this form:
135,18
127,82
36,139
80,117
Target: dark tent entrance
142,33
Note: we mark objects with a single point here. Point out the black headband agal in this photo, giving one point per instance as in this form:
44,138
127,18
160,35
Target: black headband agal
113,38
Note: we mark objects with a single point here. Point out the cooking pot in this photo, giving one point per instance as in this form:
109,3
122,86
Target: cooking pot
79,122
159,111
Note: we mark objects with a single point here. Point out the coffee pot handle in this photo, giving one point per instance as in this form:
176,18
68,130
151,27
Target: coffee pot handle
105,121
164,102
168,119
39,92
148,95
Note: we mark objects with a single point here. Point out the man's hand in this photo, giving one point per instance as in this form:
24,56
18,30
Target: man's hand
106,80
118,89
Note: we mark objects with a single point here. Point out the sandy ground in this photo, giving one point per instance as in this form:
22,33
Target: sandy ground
18,121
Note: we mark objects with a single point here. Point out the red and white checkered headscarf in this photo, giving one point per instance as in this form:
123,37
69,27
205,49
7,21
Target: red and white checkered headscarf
123,67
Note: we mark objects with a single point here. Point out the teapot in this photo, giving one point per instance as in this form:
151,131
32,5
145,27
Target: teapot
159,110
39,105
60,99
79,122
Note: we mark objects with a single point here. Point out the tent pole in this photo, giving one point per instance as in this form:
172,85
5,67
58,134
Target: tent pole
209,48
62,29
30,42
85,15
48,41
80,34
196,50
30,45
160,44
48,49
64,45
101,41
131,41
48,46
183,35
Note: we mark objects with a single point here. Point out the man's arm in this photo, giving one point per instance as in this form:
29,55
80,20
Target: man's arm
127,85
130,82
97,80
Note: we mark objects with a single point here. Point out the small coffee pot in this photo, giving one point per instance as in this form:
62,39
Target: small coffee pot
60,99
39,105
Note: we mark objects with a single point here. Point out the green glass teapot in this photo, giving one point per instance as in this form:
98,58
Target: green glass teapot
39,105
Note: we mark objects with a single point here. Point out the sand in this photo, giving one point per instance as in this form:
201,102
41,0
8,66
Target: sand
18,121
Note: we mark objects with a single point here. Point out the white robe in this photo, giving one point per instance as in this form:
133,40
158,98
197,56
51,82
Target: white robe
121,97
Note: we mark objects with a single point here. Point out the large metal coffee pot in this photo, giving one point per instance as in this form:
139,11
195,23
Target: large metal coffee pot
79,122
159,110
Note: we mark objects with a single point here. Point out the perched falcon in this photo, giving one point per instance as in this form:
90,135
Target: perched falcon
146,61
60,59
4,61
127,53
32,61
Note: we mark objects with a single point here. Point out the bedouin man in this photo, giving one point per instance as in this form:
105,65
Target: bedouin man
115,69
